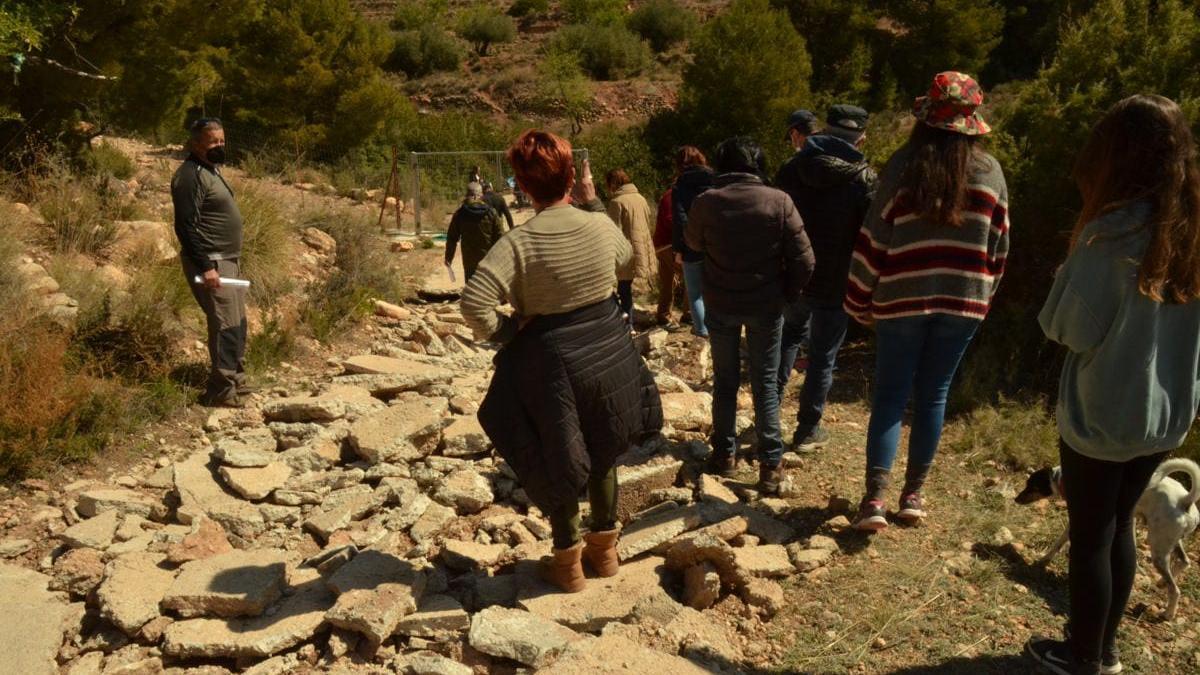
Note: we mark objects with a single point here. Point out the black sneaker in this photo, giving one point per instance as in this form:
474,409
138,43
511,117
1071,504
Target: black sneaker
912,509
809,439
871,516
720,465
1055,656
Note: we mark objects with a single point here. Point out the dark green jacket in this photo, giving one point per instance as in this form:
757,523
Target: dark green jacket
207,221
478,226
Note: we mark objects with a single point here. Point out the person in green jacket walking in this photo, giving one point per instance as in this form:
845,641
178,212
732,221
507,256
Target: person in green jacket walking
477,225
1126,305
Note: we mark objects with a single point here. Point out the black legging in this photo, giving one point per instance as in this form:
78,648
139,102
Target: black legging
1101,497
625,296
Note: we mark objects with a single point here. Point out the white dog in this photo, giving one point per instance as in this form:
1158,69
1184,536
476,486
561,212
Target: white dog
1168,510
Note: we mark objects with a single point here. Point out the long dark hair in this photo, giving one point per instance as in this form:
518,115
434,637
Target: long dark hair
939,173
1143,149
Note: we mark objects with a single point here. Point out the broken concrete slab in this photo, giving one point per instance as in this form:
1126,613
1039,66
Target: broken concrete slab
343,400
807,560
638,484
238,583
78,571
711,489
466,491
293,621
770,560
407,430
31,621
207,539
464,437
97,532
201,493
235,453
256,483
431,522
134,585
375,591
688,411
602,601
613,654
94,502
338,513
436,615
520,636
388,376
645,534
428,663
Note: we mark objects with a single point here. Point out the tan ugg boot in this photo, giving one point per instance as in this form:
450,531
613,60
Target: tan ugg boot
601,552
565,568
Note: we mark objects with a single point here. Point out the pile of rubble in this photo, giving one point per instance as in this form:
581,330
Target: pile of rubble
363,524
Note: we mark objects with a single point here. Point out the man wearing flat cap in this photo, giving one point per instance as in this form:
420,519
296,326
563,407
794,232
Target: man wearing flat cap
832,186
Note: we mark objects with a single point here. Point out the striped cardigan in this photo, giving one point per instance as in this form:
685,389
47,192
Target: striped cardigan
904,265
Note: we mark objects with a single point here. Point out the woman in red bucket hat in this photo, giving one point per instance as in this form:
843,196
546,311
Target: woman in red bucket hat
926,264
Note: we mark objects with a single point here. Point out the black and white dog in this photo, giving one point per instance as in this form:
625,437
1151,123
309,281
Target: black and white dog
1167,508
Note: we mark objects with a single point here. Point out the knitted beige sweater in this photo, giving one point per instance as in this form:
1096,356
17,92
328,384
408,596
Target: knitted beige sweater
562,259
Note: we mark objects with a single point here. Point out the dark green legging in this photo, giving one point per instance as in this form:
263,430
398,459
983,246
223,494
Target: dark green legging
602,493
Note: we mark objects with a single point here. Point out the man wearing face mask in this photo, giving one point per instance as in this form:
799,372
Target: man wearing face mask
209,227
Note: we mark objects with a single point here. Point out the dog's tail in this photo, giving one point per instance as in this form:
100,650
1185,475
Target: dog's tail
1187,466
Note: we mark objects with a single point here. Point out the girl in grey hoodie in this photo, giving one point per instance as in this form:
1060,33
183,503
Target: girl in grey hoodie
1126,305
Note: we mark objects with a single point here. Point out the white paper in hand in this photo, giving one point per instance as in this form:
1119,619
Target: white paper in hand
450,271
233,283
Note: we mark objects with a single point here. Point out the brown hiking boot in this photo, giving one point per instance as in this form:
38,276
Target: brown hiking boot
601,552
720,465
769,478
565,568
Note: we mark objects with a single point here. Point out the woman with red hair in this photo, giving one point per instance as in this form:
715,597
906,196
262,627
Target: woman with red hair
571,391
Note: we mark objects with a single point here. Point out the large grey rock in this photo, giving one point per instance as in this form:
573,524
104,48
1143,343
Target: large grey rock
466,491
238,583
126,502
436,615
257,482
339,401
293,621
202,494
614,654
464,437
646,534
602,601
386,376
520,636
375,591
134,585
409,429
97,532
31,621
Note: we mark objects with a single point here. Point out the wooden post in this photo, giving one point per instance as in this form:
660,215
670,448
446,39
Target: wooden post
387,192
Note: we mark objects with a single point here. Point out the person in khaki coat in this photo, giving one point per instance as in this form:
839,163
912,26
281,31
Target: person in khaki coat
631,212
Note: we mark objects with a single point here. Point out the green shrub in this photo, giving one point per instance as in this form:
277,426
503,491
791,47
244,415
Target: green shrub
80,213
612,146
606,52
563,89
594,11
484,26
362,272
1019,436
524,8
266,248
418,53
416,14
104,160
662,23
270,345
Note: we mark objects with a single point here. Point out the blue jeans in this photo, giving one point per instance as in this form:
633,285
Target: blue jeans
693,280
915,355
824,326
762,340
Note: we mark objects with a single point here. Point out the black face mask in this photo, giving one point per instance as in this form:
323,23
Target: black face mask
215,155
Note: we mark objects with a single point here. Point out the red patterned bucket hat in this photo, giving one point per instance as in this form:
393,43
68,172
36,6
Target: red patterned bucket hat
952,104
